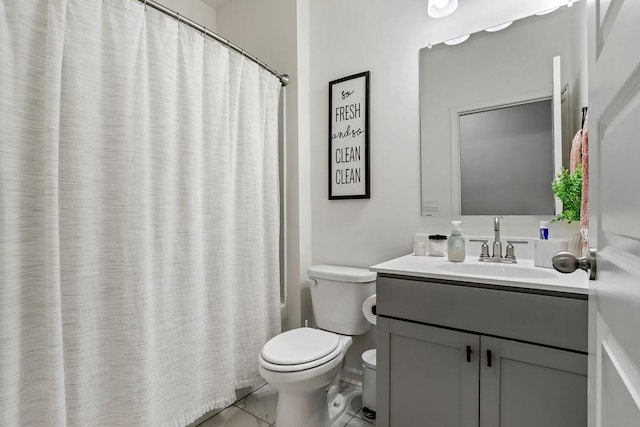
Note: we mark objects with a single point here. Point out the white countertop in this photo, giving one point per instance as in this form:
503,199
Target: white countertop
440,268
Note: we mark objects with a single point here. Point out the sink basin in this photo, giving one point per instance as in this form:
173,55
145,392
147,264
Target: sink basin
496,270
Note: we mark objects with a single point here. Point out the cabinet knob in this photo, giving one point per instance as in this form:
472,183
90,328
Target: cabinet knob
468,353
489,357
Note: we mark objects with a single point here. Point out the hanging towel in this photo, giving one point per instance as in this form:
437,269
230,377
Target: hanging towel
575,157
584,208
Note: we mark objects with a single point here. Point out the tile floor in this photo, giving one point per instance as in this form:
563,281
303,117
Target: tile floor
258,409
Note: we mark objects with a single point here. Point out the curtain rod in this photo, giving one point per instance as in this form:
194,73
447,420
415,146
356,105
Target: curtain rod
284,78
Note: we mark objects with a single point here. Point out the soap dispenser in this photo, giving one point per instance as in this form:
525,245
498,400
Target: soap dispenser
456,244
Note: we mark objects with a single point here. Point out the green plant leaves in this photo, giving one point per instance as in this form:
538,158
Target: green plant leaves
567,186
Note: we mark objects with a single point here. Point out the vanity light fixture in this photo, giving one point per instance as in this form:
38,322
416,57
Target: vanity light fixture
457,40
441,8
498,27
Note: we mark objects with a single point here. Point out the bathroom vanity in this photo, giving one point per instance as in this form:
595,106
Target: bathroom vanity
477,344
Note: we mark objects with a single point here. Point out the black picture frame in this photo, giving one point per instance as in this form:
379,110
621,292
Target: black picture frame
349,160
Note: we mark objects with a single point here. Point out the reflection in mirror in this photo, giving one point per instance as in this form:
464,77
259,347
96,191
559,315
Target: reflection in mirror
506,149
491,70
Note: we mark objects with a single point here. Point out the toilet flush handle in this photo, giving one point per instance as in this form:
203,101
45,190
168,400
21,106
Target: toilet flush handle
309,283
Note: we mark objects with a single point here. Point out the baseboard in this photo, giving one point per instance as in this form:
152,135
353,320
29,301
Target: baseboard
351,376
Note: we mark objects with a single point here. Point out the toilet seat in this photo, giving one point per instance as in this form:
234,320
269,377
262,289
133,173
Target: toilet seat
300,349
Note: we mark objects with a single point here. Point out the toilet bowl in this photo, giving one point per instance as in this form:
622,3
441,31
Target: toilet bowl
303,365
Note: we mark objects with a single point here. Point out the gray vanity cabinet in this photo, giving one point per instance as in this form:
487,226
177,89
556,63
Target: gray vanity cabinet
457,354
528,385
434,375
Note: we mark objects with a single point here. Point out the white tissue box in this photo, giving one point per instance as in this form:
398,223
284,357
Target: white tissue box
546,249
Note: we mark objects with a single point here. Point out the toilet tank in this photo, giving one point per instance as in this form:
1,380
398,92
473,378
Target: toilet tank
337,295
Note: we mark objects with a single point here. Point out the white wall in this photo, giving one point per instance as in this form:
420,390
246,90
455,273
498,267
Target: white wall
384,37
195,10
580,78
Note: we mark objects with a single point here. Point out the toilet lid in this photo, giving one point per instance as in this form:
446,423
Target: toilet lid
297,346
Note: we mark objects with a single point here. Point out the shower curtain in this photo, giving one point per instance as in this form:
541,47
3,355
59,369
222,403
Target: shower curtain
139,217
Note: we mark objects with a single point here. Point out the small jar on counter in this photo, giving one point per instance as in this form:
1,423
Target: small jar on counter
420,244
437,245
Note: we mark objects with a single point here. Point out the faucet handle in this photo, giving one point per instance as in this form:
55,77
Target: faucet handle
511,250
517,242
484,249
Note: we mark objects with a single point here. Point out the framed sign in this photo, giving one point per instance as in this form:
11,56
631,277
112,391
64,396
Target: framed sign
349,137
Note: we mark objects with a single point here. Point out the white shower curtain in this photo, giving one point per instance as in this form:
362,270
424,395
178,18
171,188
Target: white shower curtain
139,217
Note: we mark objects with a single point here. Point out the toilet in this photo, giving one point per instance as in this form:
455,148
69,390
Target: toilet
303,365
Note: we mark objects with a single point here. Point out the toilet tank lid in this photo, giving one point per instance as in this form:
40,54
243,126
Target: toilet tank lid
341,274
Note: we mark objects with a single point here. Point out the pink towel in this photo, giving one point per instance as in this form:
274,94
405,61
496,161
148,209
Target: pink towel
584,211
575,158
580,156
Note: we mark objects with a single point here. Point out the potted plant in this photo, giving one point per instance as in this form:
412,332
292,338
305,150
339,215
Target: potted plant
567,186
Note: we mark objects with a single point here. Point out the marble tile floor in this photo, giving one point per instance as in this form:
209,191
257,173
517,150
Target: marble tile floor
258,409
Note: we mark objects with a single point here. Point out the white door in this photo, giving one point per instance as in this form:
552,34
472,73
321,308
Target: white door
614,139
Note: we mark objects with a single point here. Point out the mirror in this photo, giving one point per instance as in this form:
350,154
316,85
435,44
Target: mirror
506,149
483,81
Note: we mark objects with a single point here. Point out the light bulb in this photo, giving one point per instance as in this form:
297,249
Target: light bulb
544,12
441,8
498,27
457,40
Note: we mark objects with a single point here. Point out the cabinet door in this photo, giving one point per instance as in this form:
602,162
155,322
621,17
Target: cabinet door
525,385
430,374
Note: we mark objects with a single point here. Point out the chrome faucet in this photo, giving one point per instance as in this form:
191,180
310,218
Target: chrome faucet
510,256
497,244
